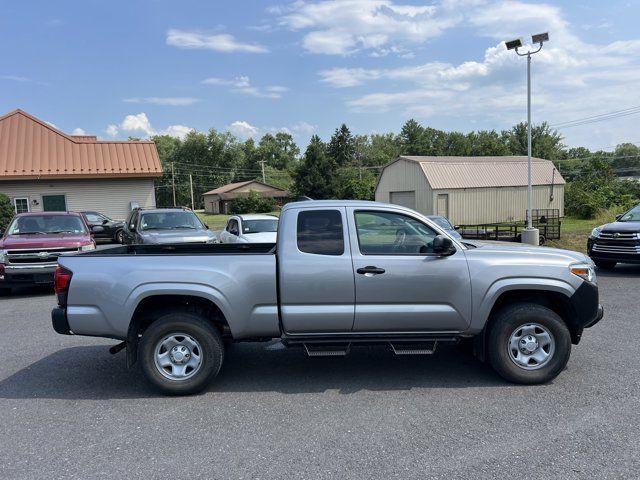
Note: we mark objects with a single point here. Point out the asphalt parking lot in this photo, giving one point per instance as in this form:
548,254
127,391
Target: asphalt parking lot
69,409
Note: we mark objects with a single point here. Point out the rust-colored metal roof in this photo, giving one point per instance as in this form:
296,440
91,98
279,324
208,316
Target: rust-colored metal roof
478,172
233,186
31,148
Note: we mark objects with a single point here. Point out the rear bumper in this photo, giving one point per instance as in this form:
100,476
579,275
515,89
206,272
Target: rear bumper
60,322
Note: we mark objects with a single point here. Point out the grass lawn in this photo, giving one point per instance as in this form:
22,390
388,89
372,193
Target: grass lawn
573,234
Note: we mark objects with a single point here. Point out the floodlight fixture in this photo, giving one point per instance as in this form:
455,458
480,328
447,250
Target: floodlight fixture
512,44
540,38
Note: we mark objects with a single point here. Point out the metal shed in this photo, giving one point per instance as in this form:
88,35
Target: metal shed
471,190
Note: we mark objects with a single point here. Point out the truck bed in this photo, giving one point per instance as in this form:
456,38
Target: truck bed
187,249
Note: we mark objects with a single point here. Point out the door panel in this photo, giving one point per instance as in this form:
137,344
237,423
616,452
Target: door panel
417,292
443,205
315,272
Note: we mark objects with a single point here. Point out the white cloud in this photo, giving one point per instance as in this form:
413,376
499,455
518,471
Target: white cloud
243,129
220,42
303,128
15,78
78,131
139,124
171,101
243,85
343,27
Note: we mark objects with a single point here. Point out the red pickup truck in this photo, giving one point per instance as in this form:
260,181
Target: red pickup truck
30,246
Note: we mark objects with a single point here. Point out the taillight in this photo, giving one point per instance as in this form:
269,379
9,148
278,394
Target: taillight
61,281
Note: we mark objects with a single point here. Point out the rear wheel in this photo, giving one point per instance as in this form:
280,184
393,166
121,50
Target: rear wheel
528,343
604,264
181,353
119,237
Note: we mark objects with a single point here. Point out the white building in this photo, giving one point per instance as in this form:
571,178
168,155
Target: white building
471,190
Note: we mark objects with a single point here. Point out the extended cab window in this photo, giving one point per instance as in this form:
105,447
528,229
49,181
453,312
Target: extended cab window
386,233
320,232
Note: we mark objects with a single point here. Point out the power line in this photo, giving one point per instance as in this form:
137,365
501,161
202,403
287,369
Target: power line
598,118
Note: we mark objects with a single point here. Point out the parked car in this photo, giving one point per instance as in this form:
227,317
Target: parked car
445,224
616,242
30,246
165,225
112,229
250,229
344,273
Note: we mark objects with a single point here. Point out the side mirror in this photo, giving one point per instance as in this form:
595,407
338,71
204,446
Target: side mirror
456,227
443,246
206,226
132,228
97,229
104,222
619,216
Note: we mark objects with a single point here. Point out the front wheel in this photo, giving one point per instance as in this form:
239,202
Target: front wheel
119,237
181,353
528,343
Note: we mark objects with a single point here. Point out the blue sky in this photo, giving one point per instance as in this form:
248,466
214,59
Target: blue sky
123,68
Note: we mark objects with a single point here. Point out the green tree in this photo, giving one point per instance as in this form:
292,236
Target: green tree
545,142
279,151
316,174
6,211
252,203
411,138
342,146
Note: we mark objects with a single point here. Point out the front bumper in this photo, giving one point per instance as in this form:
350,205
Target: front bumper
622,251
22,275
587,309
60,322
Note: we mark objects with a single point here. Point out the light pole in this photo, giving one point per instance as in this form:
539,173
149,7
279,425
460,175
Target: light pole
529,235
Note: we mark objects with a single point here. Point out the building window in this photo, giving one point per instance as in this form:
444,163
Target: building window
21,205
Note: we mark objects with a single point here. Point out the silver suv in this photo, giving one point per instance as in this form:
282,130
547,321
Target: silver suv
165,225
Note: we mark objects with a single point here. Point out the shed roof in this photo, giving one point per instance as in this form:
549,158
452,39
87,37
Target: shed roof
31,148
234,186
477,172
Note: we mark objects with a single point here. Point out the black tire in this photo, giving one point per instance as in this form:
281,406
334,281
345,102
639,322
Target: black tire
197,327
542,240
506,322
605,264
5,291
119,237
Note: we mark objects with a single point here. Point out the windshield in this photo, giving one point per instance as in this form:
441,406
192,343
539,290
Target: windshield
42,224
632,215
259,226
442,222
170,221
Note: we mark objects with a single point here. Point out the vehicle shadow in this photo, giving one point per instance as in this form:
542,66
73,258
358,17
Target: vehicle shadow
30,291
620,271
92,373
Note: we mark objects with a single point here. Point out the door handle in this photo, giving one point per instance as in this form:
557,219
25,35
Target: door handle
370,270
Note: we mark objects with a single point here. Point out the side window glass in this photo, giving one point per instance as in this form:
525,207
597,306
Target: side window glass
387,233
320,232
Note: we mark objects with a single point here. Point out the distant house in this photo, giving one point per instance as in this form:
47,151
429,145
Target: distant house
471,190
44,169
219,200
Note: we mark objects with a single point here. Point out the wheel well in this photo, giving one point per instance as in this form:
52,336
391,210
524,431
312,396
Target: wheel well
555,301
151,308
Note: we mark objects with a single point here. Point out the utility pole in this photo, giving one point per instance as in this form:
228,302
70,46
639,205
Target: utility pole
262,162
530,235
191,186
173,184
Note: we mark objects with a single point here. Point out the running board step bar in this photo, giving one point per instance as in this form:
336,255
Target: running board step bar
324,350
410,348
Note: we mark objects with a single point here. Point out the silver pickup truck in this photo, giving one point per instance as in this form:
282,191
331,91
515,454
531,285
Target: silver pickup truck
342,274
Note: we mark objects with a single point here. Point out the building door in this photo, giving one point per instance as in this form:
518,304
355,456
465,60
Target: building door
443,205
404,199
54,203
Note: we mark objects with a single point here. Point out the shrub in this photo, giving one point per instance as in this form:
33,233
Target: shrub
6,211
252,203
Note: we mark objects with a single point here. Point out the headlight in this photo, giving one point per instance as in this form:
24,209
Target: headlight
595,232
3,256
584,271
86,248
